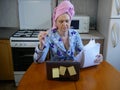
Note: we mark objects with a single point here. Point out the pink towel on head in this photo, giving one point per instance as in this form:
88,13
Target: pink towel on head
64,7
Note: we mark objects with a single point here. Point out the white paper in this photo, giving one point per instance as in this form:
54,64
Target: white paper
72,70
62,70
90,51
88,55
55,72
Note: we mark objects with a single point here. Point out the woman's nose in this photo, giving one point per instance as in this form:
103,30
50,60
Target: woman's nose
64,23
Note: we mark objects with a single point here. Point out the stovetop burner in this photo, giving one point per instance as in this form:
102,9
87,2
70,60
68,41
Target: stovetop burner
27,33
25,38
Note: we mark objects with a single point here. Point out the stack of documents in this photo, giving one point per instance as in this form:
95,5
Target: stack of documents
89,53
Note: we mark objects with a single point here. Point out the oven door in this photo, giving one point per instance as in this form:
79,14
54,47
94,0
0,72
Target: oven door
22,58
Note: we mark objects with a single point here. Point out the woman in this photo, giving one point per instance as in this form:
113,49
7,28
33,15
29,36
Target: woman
64,43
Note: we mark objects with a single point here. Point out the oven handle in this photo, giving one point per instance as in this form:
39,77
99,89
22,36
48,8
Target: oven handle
27,55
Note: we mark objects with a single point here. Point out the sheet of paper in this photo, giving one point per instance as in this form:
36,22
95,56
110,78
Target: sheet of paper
62,70
72,70
90,51
55,72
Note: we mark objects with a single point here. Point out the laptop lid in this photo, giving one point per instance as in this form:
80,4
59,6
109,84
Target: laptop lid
62,70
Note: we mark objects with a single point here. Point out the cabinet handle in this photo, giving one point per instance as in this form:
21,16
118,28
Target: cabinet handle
117,2
114,35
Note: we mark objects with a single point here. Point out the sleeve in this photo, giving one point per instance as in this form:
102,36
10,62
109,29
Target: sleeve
79,49
40,55
79,44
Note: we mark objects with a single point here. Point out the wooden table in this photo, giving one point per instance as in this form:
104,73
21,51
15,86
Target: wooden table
101,77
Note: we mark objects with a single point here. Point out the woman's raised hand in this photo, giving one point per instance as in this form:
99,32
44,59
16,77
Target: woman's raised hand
41,37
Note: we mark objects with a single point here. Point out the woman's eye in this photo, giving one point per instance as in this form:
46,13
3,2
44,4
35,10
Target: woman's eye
67,21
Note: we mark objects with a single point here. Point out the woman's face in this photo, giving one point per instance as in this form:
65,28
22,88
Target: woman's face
63,22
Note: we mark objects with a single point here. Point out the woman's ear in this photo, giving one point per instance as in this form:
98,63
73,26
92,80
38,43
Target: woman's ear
56,24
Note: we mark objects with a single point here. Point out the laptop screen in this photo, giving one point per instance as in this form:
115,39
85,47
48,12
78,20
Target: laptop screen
63,70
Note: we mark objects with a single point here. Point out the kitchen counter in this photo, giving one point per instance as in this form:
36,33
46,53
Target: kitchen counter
5,32
92,34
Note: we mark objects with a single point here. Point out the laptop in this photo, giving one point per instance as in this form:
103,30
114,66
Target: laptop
62,70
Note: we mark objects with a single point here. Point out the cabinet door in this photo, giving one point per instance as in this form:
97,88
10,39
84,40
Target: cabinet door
6,66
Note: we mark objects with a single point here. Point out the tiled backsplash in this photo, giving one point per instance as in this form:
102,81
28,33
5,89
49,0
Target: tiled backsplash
86,7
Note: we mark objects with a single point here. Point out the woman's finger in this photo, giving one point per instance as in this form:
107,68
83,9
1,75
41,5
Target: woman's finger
99,58
42,34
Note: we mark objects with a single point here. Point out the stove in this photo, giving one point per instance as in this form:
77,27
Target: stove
23,43
25,38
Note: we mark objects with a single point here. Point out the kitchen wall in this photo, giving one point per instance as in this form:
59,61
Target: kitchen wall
8,13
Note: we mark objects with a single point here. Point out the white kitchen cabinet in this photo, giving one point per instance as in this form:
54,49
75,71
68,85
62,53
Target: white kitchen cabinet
34,14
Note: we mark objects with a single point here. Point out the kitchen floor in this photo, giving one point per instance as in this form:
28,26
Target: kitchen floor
7,85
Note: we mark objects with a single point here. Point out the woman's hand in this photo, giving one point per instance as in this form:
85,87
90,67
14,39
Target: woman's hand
99,58
41,37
